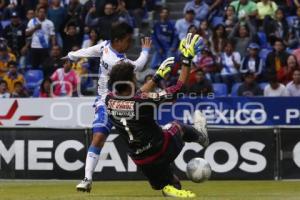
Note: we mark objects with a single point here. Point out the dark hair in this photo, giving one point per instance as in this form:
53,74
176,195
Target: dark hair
3,81
121,72
18,83
43,82
120,30
164,8
190,11
41,7
215,38
190,27
14,63
272,78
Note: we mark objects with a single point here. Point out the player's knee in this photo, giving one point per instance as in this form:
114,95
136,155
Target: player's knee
98,139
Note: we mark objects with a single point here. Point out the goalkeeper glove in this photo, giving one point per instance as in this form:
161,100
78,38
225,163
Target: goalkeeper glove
189,47
163,70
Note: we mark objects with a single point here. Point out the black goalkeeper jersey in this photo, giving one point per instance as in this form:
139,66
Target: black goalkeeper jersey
134,118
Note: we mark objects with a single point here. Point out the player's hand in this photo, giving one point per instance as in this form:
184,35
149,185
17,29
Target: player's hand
190,46
164,69
146,43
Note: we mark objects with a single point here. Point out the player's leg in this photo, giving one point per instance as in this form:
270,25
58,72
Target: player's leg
101,128
160,175
197,132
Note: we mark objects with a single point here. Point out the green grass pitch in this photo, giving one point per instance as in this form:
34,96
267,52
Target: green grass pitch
211,190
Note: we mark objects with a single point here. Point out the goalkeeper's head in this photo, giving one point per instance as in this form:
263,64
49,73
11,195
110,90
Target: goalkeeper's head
122,80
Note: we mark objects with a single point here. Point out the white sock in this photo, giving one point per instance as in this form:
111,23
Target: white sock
90,164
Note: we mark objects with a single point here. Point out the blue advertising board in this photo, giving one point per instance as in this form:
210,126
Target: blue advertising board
235,111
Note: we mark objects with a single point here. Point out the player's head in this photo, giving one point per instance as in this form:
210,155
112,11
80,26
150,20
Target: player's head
122,80
121,36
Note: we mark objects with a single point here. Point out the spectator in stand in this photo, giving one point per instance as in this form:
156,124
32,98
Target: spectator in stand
123,14
230,19
15,34
43,3
19,91
71,37
3,90
294,37
204,30
13,76
42,30
74,11
274,88
218,39
102,24
252,62
202,86
246,34
45,89
164,38
57,14
285,75
244,9
277,27
293,88
183,24
206,62
53,62
200,8
5,58
136,9
249,87
216,8
277,59
93,39
65,80
266,8
230,62
29,15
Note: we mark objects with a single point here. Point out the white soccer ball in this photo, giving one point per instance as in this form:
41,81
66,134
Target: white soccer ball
198,170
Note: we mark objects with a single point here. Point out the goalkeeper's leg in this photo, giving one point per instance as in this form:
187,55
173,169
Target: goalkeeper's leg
197,132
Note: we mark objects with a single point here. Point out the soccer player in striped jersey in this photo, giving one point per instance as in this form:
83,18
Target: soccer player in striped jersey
110,53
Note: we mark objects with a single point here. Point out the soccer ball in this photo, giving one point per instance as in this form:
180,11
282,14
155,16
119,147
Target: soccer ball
198,170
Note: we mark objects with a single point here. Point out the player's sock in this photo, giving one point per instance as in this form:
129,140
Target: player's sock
91,161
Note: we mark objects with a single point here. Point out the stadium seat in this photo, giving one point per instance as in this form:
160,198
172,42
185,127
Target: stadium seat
234,89
264,53
220,89
36,92
217,20
263,85
33,78
290,20
263,41
5,23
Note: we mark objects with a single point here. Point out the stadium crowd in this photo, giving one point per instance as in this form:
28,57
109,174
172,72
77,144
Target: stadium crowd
252,48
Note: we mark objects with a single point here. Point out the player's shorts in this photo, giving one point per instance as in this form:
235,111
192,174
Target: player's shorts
101,123
159,171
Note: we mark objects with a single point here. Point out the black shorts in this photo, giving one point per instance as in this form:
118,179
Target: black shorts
160,171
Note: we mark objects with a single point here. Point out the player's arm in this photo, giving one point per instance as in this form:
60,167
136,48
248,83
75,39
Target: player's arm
93,51
143,58
188,48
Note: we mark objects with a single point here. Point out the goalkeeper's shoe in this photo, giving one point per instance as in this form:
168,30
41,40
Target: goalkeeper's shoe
171,191
85,185
200,125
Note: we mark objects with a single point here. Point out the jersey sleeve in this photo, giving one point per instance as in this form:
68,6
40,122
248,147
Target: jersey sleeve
93,51
30,25
141,61
169,93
